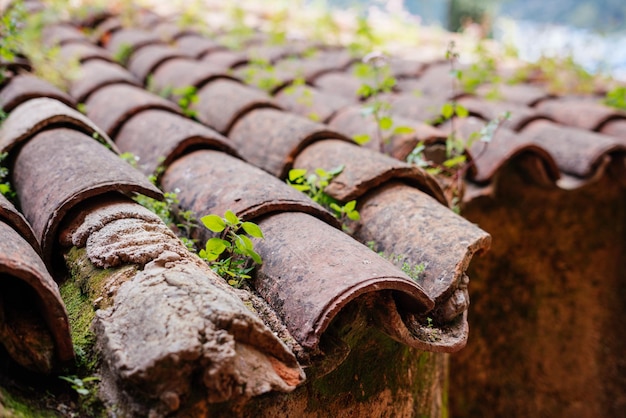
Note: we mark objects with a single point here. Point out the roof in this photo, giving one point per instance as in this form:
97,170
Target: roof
235,154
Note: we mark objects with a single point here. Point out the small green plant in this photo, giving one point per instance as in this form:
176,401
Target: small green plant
123,53
616,98
414,271
314,184
80,385
561,75
364,39
5,185
261,73
482,71
377,80
305,96
231,255
188,96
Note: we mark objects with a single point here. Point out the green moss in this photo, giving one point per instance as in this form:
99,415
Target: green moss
14,406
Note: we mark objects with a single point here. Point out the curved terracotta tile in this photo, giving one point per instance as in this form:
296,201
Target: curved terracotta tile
406,68
419,108
525,94
113,105
225,59
505,145
310,274
577,152
434,81
269,79
615,127
37,115
171,31
143,62
196,45
83,53
580,113
13,218
102,33
311,102
182,72
131,38
339,83
315,65
213,182
16,66
20,263
158,138
96,74
363,170
58,169
413,227
222,102
271,139
520,115
272,53
60,34
351,122
25,87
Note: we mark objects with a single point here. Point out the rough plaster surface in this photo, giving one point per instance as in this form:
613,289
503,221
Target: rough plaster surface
176,324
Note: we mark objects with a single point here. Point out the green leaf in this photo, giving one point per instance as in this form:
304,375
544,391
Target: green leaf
334,172
296,173
301,187
365,91
461,111
385,123
321,173
350,206
213,223
403,130
447,110
231,218
252,229
353,215
255,257
335,207
361,139
453,162
216,246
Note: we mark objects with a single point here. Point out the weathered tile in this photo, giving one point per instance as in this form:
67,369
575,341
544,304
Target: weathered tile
222,102
83,53
577,152
524,94
182,72
364,170
311,102
131,39
351,121
197,46
143,62
61,34
310,273
25,87
225,59
112,105
37,115
434,237
12,217
271,139
213,182
34,327
50,179
158,138
96,74
519,115
583,114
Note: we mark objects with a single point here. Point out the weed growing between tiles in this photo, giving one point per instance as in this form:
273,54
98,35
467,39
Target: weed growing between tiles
616,98
452,170
232,256
313,185
377,80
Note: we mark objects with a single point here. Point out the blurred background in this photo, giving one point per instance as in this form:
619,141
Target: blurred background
592,32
